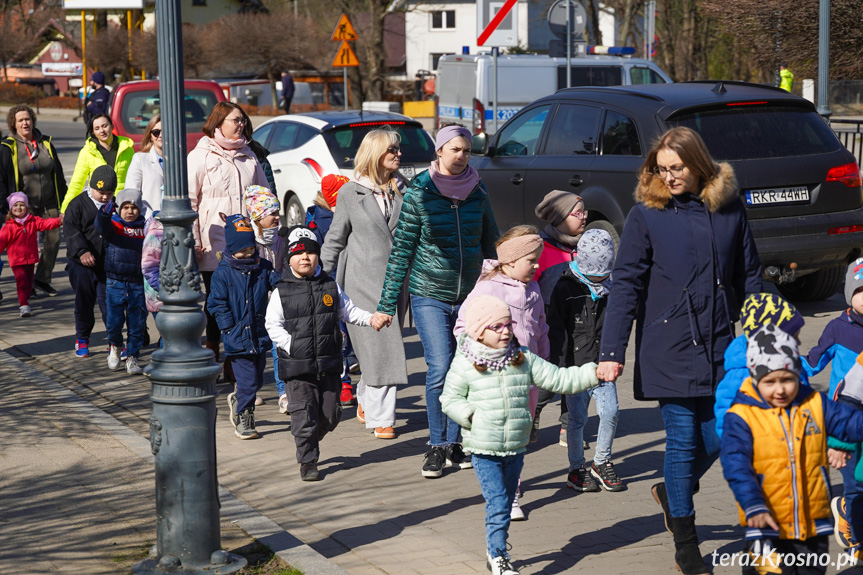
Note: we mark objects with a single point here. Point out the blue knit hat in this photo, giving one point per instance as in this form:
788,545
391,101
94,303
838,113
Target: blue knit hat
761,308
239,234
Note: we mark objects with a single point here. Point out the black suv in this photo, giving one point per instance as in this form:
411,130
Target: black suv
801,187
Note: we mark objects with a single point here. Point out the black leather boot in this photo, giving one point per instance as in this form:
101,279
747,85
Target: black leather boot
686,552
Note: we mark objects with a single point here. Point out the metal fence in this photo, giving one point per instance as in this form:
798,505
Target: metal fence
850,133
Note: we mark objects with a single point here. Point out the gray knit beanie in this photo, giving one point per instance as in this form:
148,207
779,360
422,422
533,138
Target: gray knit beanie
556,206
853,279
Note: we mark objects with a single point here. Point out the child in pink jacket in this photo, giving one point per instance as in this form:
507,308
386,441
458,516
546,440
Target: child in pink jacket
19,237
510,278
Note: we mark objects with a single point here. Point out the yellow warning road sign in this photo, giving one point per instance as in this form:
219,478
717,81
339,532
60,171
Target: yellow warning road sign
345,57
344,31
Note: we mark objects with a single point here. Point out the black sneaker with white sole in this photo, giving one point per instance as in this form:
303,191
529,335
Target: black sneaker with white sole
607,478
580,480
435,460
45,287
455,456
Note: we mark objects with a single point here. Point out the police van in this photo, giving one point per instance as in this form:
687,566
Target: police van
464,89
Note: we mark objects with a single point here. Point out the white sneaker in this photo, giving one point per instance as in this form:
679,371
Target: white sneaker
259,400
132,367
25,310
113,357
500,565
283,403
516,514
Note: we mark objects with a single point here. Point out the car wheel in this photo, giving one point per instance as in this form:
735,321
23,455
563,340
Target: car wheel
295,215
815,286
607,226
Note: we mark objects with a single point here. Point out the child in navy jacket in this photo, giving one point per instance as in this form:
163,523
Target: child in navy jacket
123,232
840,344
238,300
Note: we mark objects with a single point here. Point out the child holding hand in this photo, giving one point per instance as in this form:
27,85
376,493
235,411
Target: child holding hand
774,456
19,237
487,392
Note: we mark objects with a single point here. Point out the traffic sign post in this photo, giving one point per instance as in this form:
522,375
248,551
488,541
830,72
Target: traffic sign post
345,58
496,26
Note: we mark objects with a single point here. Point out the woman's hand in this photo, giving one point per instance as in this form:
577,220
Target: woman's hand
87,259
199,251
609,370
762,520
837,458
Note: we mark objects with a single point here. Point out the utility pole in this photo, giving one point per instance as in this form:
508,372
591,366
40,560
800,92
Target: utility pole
183,374
824,59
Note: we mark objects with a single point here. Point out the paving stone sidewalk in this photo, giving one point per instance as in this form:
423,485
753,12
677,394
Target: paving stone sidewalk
373,513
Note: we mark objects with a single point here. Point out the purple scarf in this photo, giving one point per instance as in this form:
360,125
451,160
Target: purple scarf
456,187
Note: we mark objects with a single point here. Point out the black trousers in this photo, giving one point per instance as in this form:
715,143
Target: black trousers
214,334
797,557
315,411
89,287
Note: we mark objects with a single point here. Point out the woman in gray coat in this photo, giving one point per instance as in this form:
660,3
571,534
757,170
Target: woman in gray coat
358,246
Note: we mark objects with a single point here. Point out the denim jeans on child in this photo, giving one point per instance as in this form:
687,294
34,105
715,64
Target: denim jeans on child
691,447
249,373
435,321
126,299
280,385
498,479
605,396
853,493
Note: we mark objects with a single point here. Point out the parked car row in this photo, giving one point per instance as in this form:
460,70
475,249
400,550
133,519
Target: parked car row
801,187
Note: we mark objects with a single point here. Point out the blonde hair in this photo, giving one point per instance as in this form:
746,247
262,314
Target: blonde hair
510,234
372,149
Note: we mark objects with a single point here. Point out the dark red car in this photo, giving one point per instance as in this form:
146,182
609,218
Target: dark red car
134,103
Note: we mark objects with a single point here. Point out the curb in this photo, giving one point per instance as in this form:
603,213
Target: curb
255,524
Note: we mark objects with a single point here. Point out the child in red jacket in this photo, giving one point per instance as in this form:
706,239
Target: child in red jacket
19,236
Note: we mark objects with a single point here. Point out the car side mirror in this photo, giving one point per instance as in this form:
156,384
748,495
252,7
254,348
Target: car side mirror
479,145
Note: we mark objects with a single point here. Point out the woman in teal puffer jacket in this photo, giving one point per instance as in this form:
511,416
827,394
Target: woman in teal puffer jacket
487,392
445,230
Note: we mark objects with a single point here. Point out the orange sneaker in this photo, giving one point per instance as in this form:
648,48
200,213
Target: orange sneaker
361,416
385,433
842,527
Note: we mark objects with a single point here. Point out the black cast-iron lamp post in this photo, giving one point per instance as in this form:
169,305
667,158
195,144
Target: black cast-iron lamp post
183,374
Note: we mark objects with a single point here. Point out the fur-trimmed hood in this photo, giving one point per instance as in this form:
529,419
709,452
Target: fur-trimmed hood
718,192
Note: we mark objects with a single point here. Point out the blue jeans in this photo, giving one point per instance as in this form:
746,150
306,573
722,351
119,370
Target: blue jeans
498,479
691,447
249,373
852,490
280,385
126,299
435,321
605,397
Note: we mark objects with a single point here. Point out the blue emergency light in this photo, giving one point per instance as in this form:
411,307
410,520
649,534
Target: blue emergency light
611,50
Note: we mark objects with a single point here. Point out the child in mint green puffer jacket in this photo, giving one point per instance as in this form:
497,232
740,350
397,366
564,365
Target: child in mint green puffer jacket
486,392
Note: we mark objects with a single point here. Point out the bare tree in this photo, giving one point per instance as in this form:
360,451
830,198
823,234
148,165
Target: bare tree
248,42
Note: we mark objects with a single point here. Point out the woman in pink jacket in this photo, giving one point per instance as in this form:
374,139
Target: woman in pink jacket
221,167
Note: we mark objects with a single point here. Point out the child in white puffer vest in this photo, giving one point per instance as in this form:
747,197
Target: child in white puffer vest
495,417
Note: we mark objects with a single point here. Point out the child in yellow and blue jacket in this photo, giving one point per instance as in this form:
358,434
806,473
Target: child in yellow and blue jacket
774,454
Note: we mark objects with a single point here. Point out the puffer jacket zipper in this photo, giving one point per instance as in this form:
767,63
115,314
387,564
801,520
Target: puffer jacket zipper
789,441
314,329
460,252
505,405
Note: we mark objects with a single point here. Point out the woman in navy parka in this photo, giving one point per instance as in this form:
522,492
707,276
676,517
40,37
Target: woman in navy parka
686,261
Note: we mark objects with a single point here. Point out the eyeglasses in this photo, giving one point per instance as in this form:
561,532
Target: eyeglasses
156,133
499,327
394,150
580,214
676,171
236,121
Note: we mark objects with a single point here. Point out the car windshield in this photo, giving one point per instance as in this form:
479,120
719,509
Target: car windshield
750,132
417,147
139,107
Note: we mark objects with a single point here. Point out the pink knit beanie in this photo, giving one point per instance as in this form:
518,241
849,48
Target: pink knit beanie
483,311
516,248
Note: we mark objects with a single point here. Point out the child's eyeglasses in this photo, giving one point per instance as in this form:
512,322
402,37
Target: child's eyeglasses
499,327
580,214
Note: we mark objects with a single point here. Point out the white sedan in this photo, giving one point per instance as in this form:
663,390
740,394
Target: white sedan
306,147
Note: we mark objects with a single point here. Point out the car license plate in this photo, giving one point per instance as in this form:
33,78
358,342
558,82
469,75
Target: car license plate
407,171
799,194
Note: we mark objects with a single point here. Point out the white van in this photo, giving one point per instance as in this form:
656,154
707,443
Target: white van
464,88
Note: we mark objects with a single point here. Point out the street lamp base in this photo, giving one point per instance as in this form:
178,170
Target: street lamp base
222,563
